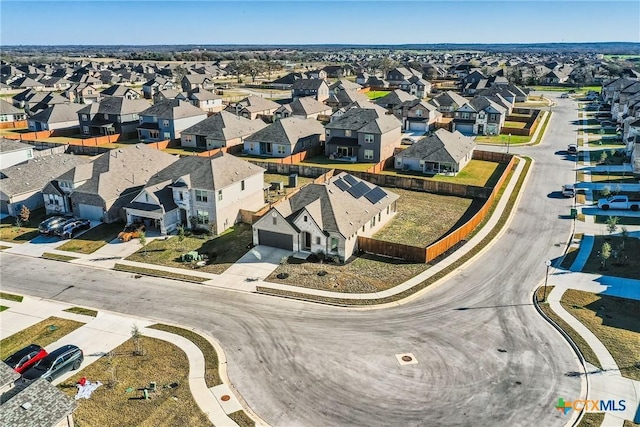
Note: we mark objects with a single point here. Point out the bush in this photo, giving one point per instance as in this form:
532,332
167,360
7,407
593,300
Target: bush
282,275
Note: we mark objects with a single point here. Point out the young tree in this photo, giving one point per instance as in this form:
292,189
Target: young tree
136,335
180,237
143,242
24,214
605,254
612,224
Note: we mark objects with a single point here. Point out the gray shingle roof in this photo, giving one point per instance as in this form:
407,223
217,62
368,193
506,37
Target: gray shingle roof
116,105
7,145
118,90
288,131
7,375
334,209
207,173
36,173
395,98
307,105
256,104
447,99
365,120
345,85
49,406
308,84
58,113
173,109
7,108
225,126
441,146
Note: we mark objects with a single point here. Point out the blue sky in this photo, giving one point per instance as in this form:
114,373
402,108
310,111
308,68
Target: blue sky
310,22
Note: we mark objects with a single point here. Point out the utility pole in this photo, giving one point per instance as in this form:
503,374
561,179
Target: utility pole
546,278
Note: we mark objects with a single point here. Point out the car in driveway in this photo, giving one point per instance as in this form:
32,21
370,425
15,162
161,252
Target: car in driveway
572,149
73,228
25,358
131,231
48,224
569,190
64,359
56,230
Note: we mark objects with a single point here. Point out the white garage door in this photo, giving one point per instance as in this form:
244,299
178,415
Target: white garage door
464,129
90,212
419,126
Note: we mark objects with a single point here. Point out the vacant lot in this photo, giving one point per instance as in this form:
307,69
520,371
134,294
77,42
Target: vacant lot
627,264
223,250
422,218
10,232
366,273
477,172
119,401
614,321
42,333
94,239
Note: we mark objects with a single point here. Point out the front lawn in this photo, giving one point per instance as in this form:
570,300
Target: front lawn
502,139
614,321
42,333
124,376
477,172
10,232
415,223
622,267
223,251
92,240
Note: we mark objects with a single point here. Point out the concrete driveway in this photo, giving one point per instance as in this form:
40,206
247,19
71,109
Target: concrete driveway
258,263
42,243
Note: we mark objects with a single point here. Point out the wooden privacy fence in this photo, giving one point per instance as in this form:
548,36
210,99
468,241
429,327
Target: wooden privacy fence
393,250
440,247
234,149
14,125
31,136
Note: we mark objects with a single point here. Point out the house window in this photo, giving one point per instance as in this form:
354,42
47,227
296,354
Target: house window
201,196
155,119
85,118
140,120
368,138
464,116
334,244
387,210
379,216
418,113
219,195
165,123
493,117
274,218
306,219
85,130
251,146
347,133
180,196
203,217
317,240
242,185
105,116
167,135
154,134
280,149
373,222
187,138
29,154
368,154
89,92
135,117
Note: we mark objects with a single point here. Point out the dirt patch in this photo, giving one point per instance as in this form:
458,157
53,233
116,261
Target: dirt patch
627,263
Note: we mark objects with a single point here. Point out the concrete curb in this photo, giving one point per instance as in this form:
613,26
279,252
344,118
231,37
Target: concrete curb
585,382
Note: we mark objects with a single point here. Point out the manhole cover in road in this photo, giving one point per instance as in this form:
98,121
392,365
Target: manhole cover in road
225,398
406,359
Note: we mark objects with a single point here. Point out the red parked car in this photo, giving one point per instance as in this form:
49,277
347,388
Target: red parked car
23,359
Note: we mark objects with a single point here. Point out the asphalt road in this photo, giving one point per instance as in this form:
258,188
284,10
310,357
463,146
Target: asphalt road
485,357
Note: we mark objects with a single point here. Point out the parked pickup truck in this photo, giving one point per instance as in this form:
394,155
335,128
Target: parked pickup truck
618,202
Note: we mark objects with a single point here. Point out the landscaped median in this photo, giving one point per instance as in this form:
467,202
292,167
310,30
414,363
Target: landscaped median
58,257
435,277
159,273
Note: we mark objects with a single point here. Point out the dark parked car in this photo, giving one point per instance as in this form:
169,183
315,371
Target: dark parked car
57,229
25,358
46,225
70,230
59,361
572,149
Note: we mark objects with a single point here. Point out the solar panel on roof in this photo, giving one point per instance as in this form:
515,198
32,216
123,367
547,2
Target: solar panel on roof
375,195
358,190
351,180
341,184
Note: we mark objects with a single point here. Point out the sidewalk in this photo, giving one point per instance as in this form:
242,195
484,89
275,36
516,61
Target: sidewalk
108,330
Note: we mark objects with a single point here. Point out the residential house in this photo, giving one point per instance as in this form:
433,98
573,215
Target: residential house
253,107
306,107
361,78
33,101
9,113
285,137
22,184
121,91
553,77
342,98
191,82
157,84
57,117
35,403
317,74
376,82
448,102
394,99
400,74
27,83
205,100
343,85
316,88
286,82
199,192
362,135
416,86
417,115
167,119
327,218
99,190
83,93
338,71
480,116
112,115
443,152
510,92
223,129
14,152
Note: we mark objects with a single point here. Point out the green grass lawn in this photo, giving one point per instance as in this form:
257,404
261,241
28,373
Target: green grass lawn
614,321
11,233
477,172
516,125
502,139
273,195
414,222
11,297
94,239
375,94
322,161
43,333
223,250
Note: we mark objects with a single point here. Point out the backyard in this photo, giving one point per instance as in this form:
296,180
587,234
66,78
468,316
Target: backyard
125,375
274,195
375,94
477,172
322,161
223,250
423,218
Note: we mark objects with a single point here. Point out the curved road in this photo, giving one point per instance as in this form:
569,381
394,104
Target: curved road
485,357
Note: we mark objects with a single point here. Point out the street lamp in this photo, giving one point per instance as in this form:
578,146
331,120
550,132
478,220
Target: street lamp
508,143
546,277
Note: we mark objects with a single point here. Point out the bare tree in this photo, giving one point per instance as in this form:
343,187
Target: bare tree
136,335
